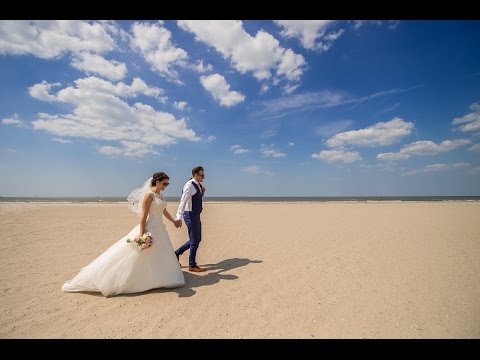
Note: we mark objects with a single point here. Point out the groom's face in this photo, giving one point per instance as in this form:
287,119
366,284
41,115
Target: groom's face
200,176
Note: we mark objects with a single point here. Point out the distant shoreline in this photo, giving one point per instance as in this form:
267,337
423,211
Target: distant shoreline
313,199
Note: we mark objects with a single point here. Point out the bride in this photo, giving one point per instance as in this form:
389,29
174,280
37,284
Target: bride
123,268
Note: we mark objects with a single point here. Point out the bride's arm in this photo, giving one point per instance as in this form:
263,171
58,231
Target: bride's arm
147,201
168,216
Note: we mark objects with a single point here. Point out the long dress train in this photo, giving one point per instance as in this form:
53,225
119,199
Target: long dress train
123,269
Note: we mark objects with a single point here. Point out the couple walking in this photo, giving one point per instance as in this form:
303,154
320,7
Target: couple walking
123,269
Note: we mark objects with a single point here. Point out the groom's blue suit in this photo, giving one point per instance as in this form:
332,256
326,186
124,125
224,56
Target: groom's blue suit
194,225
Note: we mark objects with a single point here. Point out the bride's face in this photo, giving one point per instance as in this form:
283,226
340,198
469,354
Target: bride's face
163,184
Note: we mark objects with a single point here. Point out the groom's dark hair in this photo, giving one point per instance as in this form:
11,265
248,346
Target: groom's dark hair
196,170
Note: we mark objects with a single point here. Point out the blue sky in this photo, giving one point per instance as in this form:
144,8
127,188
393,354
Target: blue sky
269,108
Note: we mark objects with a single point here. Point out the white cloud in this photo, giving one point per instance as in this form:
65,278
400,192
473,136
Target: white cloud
330,156
290,88
393,156
210,138
129,149
471,121
180,105
201,68
237,149
218,87
379,134
92,63
312,33
254,169
93,84
42,90
291,144
100,113
475,147
260,55
85,41
269,151
391,24
424,147
14,120
438,167
154,42
48,39
62,141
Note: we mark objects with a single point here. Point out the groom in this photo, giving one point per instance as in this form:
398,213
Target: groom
190,208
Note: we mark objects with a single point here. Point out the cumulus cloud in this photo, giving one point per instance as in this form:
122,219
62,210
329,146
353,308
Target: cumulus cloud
93,84
424,147
218,87
269,151
438,167
471,121
180,105
100,113
14,120
201,68
331,156
85,41
42,90
427,147
48,39
260,55
313,34
237,149
96,64
154,43
379,134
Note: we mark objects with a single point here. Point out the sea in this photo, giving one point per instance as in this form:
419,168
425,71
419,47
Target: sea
303,199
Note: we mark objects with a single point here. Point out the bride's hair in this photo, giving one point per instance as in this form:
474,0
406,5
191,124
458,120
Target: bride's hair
158,176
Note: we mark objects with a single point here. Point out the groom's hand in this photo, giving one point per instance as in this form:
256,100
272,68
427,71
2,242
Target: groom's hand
178,223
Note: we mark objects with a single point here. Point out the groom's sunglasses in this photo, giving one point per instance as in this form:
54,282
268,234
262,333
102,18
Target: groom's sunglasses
202,175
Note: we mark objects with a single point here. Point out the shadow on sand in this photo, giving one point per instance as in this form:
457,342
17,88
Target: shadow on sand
213,275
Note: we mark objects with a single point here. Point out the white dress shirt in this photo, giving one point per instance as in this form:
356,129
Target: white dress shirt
186,199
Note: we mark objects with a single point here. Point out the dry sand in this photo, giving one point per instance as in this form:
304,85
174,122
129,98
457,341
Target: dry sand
276,270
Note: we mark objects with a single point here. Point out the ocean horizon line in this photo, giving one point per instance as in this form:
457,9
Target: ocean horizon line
118,199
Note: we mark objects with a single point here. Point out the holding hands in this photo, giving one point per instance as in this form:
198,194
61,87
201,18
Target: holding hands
178,223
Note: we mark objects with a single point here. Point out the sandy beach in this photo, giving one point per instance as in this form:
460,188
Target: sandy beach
275,270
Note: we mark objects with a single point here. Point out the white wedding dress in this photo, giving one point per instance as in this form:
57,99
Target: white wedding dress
123,269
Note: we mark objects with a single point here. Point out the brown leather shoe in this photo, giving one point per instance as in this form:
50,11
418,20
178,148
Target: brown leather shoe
196,269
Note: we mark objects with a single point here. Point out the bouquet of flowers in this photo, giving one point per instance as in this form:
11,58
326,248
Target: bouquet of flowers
143,242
